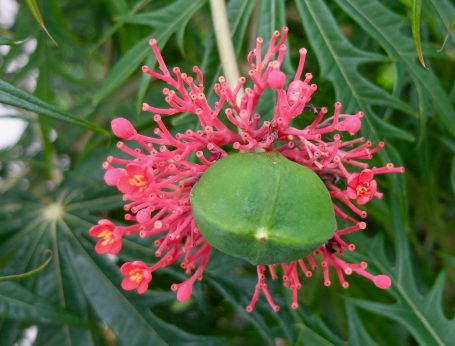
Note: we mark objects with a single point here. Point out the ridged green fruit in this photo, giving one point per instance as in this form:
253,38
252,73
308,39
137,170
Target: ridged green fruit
263,208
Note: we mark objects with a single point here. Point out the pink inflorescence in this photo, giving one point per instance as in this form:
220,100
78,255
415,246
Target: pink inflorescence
158,176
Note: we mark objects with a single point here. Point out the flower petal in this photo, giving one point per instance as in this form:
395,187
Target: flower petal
128,285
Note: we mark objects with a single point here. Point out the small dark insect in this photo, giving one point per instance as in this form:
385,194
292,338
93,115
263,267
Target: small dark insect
312,108
329,178
331,246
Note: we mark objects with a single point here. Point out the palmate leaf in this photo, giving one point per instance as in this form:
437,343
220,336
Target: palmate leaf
77,282
421,314
358,335
17,303
165,22
295,326
231,288
54,283
106,298
385,27
339,61
230,292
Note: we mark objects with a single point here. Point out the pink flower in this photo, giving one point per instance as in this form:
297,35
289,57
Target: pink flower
110,237
158,172
135,180
361,186
137,276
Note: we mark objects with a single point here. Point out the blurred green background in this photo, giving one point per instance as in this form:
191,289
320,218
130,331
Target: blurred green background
69,67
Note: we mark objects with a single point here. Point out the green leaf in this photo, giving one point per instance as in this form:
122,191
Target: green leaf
450,30
34,8
448,258
383,24
9,330
13,96
416,13
10,42
230,293
339,61
107,299
444,12
358,335
421,314
314,331
452,174
18,303
49,335
239,14
165,21
144,84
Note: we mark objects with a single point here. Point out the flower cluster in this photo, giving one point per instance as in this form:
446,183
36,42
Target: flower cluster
161,170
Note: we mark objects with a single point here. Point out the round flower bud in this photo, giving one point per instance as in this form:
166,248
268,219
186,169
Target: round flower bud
123,128
276,79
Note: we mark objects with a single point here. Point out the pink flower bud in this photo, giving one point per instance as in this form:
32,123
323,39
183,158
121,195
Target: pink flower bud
184,292
382,281
276,79
143,215
112,176
123,128
351,124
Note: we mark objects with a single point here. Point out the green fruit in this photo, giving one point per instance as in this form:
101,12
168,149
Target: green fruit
263,208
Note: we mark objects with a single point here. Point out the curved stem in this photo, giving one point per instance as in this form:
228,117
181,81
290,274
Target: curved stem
31,272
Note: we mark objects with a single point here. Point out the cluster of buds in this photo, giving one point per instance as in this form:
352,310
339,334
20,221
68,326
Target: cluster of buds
157,177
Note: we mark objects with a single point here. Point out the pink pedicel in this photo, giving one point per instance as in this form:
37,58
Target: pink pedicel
155,173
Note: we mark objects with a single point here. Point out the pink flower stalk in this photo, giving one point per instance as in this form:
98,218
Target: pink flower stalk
159,174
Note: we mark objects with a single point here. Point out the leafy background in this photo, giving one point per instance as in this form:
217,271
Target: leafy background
84,71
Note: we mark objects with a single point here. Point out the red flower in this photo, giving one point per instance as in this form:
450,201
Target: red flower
362,187
135,179
110,237
159,171
137,275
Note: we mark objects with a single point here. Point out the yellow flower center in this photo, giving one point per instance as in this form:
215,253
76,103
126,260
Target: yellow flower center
138,181
136,275
363,189
107,236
